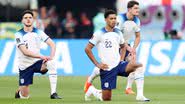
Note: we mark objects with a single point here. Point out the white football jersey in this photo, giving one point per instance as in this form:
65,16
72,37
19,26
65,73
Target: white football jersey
128,27
108,44
32,41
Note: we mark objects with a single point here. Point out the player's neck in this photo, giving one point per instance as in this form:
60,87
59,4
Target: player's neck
130,16
28,29
108,28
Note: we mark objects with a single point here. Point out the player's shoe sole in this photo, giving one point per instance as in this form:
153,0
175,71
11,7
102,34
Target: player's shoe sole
55,96
129,91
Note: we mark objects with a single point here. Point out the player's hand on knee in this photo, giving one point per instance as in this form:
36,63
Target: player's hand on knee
102,66
50,58
131,58
129,49
44,58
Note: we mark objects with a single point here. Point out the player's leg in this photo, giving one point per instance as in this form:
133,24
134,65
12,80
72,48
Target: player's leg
50,65
93,91
43,67
130,78
25,79
103,95
106,95
24,92
94,74
131,67
139,79
108,82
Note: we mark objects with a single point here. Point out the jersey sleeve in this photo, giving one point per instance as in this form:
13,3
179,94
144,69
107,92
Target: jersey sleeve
44,36
19,39
95,38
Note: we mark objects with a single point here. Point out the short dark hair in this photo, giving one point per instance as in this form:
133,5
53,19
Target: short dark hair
26,12
132,3
108,12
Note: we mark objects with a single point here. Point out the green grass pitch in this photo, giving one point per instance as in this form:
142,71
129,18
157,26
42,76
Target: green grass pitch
161,90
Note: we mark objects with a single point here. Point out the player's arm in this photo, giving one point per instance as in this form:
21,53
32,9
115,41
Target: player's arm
137,33
92,42
24,49
49,42
53,47
88,51
28,53
137,40
123,47
122,52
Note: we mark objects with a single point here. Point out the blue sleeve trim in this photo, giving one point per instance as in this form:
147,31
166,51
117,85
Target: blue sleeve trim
91,42
46,39
20,44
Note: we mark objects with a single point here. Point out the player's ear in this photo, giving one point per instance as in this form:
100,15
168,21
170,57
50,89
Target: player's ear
129,9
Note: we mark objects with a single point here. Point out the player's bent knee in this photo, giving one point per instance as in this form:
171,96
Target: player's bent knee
23,96
129,69
24,92
139,73
140,70
106,95
50,65
44,71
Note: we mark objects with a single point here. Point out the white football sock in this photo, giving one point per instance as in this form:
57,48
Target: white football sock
130,80
139,78
53,82
52,75
95,92
89,91
94,74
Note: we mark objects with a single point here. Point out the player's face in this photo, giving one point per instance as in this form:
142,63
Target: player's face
27,20
111,20
135,10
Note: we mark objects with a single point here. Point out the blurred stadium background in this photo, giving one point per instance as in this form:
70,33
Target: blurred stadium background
71,23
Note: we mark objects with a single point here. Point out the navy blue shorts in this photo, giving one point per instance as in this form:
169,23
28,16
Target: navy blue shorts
26,76
109,78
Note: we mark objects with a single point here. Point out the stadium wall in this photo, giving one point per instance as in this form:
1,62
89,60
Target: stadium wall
160,58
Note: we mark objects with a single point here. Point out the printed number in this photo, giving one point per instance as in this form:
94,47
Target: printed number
108,44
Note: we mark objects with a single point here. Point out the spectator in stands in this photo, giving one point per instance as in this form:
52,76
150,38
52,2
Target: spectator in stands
38,23
85,26
54,26
98,20
173,34
69,24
